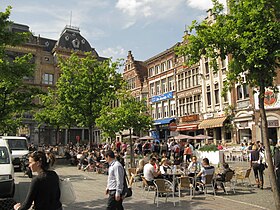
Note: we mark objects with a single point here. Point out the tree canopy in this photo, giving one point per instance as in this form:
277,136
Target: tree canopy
249,35
130,114
16,98
85,86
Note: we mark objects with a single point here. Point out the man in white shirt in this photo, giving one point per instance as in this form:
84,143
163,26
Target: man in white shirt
115,182
149,171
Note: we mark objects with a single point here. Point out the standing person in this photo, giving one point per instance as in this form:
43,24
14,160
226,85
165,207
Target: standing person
256,165
44,189
187,153
115,182
277,163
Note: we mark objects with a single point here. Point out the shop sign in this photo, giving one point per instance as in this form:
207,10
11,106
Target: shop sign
172,126
190,118
208,115
162,97
273,123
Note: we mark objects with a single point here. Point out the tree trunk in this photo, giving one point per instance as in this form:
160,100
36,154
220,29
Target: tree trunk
90,136
132,163
265,140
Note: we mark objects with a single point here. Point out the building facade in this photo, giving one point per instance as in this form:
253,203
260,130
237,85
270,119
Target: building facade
45,53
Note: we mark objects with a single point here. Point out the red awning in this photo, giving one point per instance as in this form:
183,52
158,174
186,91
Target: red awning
186,127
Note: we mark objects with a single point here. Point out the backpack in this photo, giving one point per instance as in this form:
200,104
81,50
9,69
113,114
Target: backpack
177,150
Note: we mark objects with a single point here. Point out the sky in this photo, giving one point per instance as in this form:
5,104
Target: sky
113,27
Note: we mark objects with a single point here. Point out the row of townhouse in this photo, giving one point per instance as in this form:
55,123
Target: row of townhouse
191,96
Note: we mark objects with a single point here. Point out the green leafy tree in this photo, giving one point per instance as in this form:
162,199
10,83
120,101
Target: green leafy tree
249,35
16,98
52,113
85,86
129,115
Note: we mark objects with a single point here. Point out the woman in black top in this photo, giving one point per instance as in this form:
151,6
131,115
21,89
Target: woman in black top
44,189
257,166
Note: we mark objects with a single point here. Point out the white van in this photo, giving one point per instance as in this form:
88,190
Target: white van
7,182
18,147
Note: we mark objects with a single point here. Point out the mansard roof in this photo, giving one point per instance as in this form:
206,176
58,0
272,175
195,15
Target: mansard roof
71,39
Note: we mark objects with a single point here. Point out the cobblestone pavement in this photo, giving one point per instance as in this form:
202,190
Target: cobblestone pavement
90,191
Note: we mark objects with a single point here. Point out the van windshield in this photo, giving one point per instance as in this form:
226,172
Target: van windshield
4,155
17,144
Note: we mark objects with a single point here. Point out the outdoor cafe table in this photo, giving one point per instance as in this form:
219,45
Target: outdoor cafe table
174,174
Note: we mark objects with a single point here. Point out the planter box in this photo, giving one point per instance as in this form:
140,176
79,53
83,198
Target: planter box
214,157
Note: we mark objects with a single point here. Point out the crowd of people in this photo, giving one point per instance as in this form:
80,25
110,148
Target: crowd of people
155,160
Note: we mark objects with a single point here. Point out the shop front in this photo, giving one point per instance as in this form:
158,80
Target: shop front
188,125
214,127
244,123
161,129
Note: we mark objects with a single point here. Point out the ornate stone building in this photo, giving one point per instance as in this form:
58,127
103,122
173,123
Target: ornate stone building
45,52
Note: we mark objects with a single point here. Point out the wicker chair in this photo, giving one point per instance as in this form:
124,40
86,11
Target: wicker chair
163,186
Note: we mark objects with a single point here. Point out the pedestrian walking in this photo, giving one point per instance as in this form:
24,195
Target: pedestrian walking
115,182
44,189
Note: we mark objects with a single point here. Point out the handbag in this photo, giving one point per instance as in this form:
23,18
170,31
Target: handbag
127,190
67,193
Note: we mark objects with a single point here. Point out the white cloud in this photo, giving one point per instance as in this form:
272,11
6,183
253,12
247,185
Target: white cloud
202,4
137,7
147,10
114,52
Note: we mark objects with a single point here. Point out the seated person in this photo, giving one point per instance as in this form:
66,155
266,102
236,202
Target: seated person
221,176
194,167
149,171
205,170
165,165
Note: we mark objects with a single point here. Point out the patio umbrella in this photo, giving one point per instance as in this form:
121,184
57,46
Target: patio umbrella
182,136
146,138
201,137
133,137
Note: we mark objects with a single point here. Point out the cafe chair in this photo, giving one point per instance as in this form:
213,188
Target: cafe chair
163,187
229,181
243,175
227,156
131,175
185,183
146,186
209,183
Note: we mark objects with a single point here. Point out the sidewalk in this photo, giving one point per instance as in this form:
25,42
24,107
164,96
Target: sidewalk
90,188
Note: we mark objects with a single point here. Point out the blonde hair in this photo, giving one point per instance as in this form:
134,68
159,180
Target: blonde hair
254,147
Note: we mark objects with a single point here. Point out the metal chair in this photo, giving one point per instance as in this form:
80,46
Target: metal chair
228,180
227,155
243,175
163,186
209,183
185,182
131,175
146,185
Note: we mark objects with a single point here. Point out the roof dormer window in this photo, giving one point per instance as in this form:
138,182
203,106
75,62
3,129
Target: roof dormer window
76,43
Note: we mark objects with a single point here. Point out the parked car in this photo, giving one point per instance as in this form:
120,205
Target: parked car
17,146
7,182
